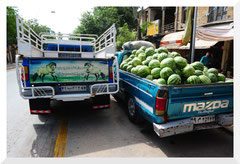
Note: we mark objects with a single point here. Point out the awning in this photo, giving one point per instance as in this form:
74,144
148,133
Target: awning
200,44
220,32
205,37
174,41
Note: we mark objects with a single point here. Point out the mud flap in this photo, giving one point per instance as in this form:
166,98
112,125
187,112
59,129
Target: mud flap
39,106
101,101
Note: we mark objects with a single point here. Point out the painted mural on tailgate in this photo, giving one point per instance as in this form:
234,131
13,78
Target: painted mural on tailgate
52,71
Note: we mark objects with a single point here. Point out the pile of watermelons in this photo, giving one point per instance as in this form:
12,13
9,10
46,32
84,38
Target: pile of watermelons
169,68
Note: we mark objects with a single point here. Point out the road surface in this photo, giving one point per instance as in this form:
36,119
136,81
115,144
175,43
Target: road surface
75,130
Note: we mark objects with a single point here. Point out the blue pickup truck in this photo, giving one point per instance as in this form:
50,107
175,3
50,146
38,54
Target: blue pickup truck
175,109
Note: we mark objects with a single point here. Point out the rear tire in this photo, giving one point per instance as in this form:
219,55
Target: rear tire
133,113
39,106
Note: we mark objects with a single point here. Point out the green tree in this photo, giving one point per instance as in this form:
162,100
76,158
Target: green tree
12,30
11,26
33,23
101,18
124,36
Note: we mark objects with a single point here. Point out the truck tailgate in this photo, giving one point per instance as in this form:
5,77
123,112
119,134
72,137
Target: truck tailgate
70,70
198,100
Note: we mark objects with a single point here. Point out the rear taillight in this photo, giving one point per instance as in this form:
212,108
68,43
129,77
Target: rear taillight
26,73
161,101
110,73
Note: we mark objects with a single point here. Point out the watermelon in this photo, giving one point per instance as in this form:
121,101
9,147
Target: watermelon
205,69
162,56
129,68
166,72
221,82
146,62
168,62
221,77
134,52
155,72
149,51
155,56
154,64
149,77
136,62
149,58
198,72
188,71
143,71
212,77
134,70
160,81
213,70
122,64
177,71
128,60
175,54
170,56
174,79
142,56
204,79
137,67
161,49
130,63
193,80
139,51
125,67
180,62
198,66
132,56
143,48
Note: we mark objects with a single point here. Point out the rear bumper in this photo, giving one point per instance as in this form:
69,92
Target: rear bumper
187,125
49,92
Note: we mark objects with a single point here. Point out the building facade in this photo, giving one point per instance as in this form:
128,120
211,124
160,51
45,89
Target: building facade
173,19
167,20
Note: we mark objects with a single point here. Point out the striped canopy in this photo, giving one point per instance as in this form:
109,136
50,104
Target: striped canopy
216,33
205,37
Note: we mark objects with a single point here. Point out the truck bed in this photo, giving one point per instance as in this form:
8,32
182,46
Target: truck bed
183,101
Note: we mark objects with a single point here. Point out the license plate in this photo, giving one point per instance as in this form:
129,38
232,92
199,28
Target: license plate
71,88
203,119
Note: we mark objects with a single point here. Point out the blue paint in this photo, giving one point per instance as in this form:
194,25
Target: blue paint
179,96
73,48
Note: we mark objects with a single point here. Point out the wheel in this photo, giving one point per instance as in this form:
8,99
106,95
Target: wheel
133,114
39,106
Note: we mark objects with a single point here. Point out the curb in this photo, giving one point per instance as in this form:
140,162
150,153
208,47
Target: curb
11,67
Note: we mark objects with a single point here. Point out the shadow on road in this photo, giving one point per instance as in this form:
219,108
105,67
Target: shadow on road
109,133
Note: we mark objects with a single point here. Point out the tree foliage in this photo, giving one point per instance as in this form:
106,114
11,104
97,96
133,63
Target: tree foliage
12,30
101,18
11,26
33,23
124,36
